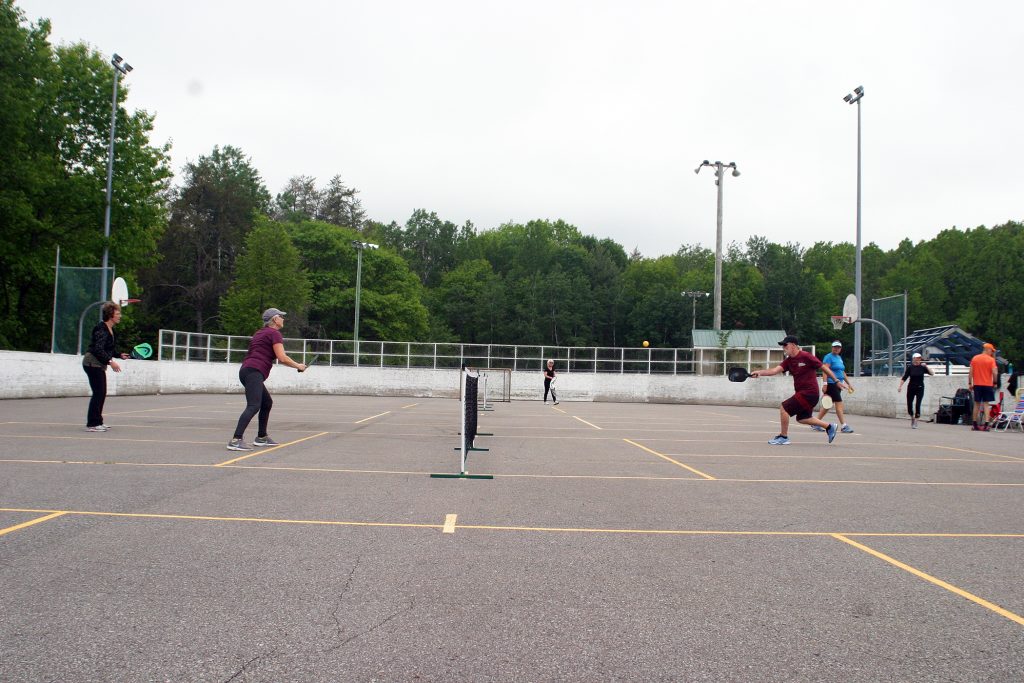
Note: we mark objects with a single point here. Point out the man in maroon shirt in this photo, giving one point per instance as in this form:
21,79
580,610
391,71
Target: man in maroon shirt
803,366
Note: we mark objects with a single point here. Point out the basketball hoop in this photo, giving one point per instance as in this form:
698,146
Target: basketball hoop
839,320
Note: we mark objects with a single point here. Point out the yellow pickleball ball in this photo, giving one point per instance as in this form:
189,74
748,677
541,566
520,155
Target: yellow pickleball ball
646,343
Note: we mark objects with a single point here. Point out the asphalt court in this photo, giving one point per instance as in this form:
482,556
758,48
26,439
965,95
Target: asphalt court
615,541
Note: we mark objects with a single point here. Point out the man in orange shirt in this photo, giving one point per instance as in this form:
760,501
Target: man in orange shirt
982,382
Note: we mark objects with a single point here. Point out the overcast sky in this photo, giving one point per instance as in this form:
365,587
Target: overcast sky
596,112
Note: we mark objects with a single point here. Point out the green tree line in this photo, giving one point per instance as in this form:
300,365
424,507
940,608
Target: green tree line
208,252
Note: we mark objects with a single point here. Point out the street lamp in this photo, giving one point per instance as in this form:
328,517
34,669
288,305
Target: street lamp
120,67
360,246
855,98
719,177
695,296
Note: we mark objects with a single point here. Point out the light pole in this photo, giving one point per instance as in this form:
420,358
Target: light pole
855,98
120,67
719,177
360,246
695,296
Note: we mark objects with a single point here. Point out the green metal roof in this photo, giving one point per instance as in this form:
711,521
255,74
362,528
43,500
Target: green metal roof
738,339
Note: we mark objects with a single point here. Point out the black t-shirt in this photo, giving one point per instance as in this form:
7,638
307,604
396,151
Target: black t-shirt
549,373
916,375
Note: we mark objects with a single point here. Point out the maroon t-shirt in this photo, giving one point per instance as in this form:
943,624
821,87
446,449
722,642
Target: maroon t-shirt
804,369
261,350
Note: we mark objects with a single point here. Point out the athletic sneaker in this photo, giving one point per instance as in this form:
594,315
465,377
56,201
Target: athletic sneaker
97,428
913,423
847,429
779,440
555,403
817,428
831,431
238,445
264,441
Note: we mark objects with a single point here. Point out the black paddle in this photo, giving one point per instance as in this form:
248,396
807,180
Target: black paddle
315,359
738,374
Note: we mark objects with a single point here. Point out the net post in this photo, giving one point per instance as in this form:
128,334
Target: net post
468,426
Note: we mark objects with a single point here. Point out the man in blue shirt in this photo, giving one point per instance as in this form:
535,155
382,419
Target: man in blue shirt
833,388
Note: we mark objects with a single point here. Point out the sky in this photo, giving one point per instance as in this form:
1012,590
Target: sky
596,112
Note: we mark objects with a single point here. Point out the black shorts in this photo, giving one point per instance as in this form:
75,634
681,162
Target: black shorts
834,392
801,405
984,394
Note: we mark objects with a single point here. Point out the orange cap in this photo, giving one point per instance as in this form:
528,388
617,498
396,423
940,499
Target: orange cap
988,347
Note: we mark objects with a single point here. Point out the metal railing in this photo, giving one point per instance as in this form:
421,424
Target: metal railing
220,348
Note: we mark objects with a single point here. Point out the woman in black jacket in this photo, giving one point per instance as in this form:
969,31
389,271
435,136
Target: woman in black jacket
100,354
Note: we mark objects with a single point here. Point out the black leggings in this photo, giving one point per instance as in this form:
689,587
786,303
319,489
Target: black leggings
914,393
257,400
98,384
547,388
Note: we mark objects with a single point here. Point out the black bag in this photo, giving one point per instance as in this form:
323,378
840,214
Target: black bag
944,415
963,406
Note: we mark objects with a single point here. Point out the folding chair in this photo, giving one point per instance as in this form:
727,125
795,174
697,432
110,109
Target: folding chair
1012,419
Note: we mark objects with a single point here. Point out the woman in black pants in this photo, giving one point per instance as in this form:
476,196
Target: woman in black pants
266,346
100,354
549,377
915,372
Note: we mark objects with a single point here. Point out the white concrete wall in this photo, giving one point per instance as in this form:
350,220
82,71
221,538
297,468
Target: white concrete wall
37,375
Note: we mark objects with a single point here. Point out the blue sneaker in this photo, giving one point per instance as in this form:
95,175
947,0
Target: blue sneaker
831,431
779,440
817,428
847,429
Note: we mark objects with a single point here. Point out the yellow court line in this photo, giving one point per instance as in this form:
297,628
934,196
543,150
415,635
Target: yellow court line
793,456
873,481
410,405
695,471
585,422
267,450
449,524
371,417
152,410
208,518
31,522
969,450
492,527
601,477
105,437
931,579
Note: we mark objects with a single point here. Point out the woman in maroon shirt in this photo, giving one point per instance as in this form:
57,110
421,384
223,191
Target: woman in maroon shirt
803,366
266,346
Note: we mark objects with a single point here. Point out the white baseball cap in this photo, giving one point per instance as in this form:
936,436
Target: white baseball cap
837,343
916,355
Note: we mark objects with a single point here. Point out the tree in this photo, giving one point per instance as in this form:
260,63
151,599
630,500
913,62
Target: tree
340,206
337,204
211,213
428,244
469,302
54,136
268,273
391,305
299,200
